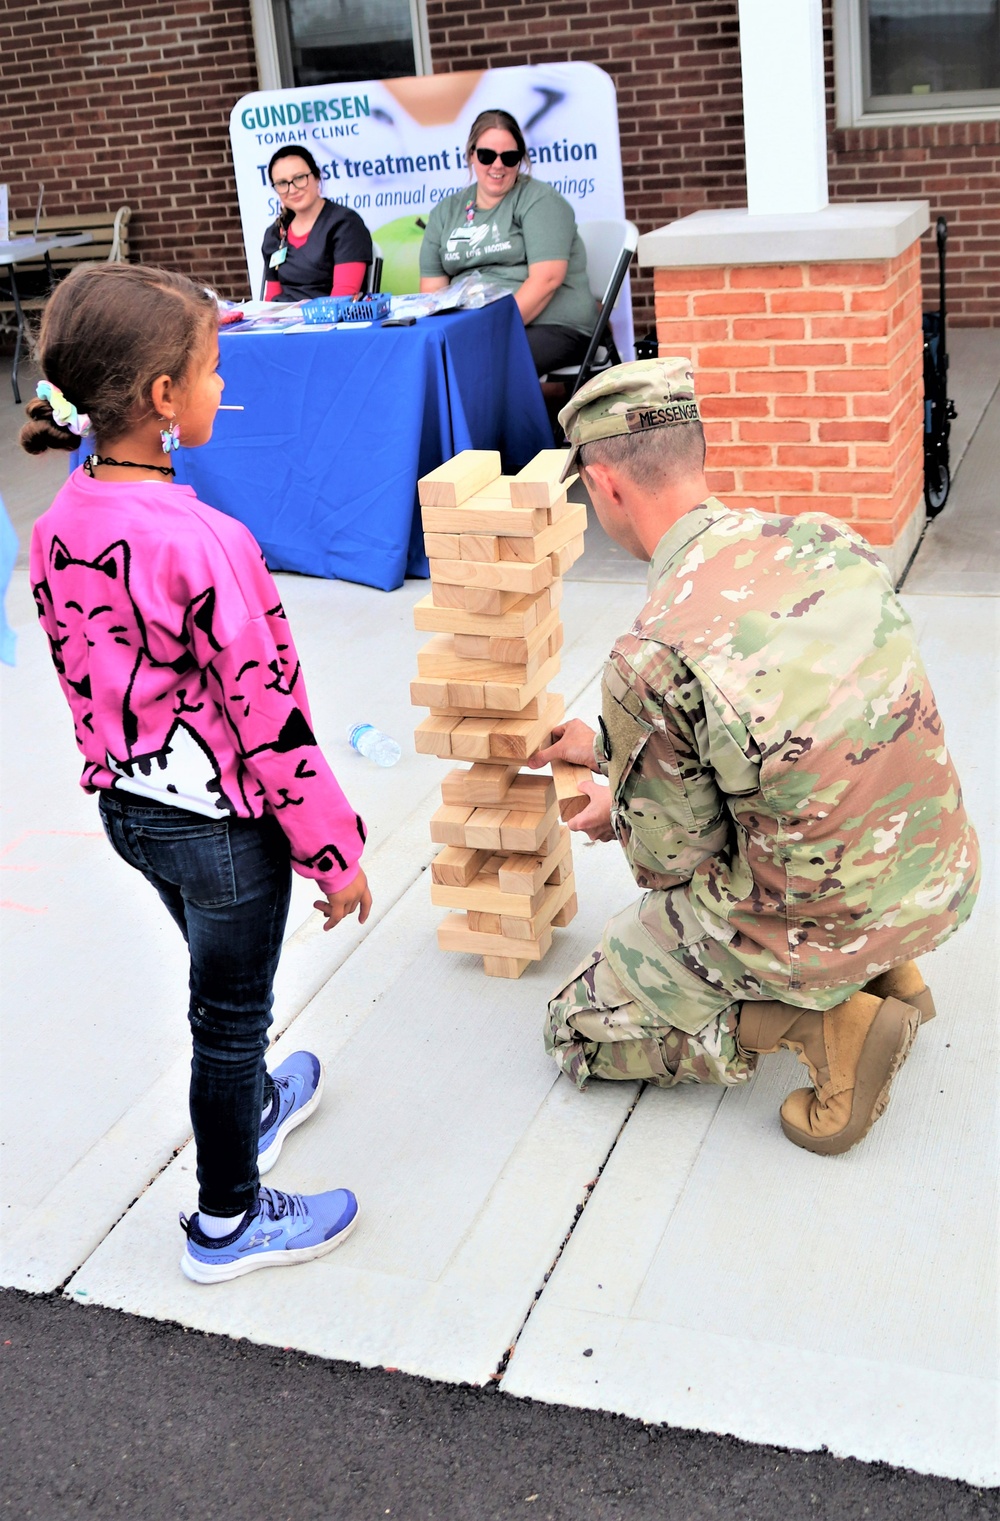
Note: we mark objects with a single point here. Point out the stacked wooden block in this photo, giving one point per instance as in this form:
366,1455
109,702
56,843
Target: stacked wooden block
498,546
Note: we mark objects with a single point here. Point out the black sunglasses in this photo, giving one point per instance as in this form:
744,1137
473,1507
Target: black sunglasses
486,156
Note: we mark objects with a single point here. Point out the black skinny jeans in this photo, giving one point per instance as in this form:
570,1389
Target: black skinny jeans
226,883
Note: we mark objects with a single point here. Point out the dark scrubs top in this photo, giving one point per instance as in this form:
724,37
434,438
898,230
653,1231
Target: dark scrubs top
338,236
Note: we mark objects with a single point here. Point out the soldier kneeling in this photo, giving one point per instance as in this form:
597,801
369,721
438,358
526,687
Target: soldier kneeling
779,783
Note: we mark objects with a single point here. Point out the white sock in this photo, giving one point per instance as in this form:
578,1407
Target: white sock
216,1226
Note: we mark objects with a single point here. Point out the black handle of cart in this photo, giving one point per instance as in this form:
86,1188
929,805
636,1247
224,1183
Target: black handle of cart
938,407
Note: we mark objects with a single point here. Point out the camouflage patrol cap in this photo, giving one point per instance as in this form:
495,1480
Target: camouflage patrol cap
629,398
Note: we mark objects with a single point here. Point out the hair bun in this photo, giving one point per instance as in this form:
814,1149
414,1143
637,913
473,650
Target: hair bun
42,432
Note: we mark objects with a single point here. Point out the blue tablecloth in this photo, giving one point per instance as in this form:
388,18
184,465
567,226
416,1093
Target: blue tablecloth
322,465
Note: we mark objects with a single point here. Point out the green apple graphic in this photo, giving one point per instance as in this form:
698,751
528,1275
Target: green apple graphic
400,244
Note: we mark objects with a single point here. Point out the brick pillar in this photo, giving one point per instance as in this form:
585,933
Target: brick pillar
810,376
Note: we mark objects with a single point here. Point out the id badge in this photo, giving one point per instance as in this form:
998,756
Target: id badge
278,257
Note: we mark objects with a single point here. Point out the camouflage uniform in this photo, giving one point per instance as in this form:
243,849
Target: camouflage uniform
781,788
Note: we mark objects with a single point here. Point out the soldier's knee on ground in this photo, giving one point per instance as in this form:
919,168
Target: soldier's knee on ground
594,1030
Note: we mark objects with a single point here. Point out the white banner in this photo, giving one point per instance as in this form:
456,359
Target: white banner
391,148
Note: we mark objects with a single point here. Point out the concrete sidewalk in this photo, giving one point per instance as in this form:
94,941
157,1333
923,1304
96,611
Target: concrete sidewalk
715,1278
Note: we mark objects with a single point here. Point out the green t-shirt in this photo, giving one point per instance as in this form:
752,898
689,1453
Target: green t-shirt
531,224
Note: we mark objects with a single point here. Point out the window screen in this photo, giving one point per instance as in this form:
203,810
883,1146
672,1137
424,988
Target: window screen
931,53
326,41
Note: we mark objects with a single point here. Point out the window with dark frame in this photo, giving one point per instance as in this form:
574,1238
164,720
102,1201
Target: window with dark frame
331,41
930,54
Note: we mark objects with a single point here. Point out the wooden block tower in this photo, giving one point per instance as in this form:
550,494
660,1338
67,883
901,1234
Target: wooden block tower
498,546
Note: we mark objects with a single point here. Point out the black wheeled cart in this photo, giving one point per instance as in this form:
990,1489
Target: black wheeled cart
938,408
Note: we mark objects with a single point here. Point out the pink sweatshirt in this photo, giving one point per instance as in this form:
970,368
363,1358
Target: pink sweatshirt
177,662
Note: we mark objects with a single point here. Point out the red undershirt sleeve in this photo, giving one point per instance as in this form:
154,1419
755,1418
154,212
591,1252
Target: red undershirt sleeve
348,279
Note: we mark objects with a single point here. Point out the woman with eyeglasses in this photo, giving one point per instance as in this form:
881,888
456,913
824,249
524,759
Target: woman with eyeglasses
314,247
519,232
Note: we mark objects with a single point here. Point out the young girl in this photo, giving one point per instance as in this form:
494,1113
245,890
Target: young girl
189,707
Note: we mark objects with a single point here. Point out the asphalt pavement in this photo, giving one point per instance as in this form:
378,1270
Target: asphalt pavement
108,1415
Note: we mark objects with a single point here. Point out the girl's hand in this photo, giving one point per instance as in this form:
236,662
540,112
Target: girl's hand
574,742
341,905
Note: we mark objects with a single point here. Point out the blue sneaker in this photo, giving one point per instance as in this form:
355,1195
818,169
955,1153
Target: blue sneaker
282,1230
298,1086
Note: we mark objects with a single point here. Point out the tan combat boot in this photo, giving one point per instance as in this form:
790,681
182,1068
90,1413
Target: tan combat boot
853,1052
905,982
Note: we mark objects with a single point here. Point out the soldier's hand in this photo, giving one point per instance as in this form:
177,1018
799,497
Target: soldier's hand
342,904
573,742
595,819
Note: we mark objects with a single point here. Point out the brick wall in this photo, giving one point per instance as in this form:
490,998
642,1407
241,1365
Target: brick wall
676,70
118,101
810,379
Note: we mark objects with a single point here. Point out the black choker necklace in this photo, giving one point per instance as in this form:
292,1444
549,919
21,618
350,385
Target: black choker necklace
124,464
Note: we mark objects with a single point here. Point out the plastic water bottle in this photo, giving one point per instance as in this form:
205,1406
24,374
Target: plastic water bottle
374,745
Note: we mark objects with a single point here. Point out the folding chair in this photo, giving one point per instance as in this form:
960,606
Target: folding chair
610,247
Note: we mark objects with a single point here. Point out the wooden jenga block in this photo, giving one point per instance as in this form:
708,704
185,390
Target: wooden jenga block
459,478
531,709
448,824
566,777
444,594
522,577
538,484
457,865
488,599
482,829
517,622
570,526
492,699
521,830
568,912
519,738
498,489
442,546
483,894
483,601
483,924
512,696
562,559
439,660
559,508
527,873
504,966
484,515
472,738
531,790
454,934
478,647
475,546
480,784
563,870
530,927
433,736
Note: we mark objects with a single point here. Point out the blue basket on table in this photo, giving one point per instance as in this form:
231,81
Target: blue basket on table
346,309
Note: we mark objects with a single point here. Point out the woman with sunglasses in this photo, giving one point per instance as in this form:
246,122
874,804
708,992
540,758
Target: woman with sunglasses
314,247
519,232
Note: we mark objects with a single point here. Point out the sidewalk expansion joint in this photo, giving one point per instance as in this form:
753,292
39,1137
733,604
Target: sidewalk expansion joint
75,1298
588,1191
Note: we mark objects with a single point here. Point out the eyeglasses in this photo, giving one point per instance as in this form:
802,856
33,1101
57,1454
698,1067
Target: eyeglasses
488,156
283,186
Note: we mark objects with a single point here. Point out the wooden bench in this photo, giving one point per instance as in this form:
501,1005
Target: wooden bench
36,277
109,242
